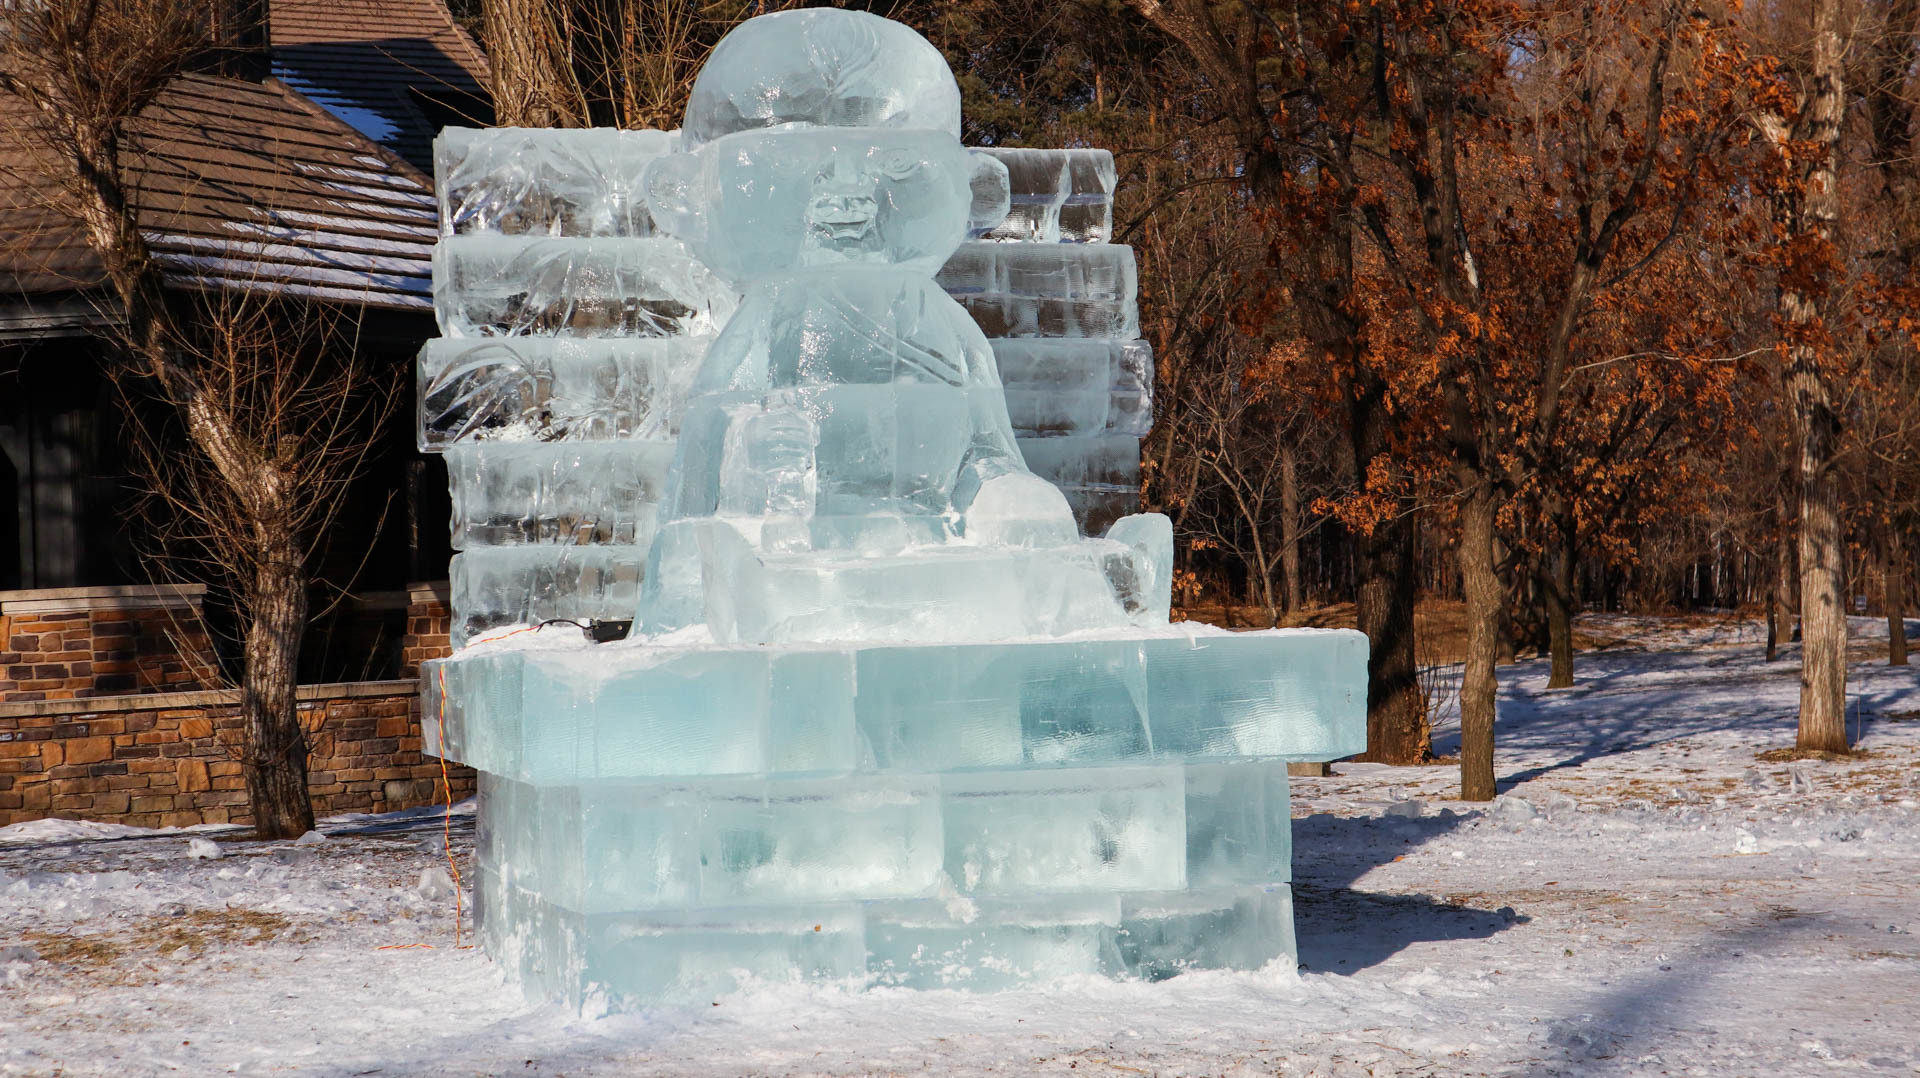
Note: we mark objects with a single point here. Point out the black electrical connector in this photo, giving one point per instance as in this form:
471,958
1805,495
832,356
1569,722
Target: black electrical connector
600,631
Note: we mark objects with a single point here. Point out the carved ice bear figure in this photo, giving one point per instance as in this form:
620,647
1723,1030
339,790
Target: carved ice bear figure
850,408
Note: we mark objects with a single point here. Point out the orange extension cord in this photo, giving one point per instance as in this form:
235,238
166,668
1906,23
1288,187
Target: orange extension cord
446,793
446,815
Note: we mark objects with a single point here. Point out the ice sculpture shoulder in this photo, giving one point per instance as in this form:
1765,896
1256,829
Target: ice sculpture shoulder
847,469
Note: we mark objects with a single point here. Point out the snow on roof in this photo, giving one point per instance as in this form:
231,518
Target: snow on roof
246,185
396,70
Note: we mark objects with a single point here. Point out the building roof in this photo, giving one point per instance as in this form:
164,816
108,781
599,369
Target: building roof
242,184
396,70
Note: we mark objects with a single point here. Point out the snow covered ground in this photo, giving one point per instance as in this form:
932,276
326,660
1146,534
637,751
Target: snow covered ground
1649,897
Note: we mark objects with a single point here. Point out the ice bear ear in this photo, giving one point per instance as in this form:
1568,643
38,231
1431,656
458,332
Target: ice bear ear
672,189
992,194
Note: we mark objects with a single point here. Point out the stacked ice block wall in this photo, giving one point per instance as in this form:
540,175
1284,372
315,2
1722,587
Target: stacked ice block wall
1056,297
571,332
661,824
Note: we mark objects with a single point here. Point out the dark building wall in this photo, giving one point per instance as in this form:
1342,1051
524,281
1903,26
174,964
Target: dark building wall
67,500
62,483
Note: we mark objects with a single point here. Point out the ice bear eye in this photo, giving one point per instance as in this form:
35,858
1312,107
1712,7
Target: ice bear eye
897,165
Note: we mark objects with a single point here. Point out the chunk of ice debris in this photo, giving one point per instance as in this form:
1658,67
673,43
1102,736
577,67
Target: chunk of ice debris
434,884
1511,809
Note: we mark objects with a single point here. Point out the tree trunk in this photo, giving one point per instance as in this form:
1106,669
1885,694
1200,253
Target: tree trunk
1823,622
1773,623
1384,572
1784,605
1480,580
1397,730
276,748
534,84
1559,590
1513,597
1290,525
1894,554
1823,618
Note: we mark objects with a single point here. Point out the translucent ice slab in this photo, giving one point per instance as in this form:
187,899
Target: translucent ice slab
1239,824
626,960
1099,474
509,286
1165,934
1066,831
988,944
568,493
549,389
558,717
616,711
1058,196
597,962
518,181
1070,387
631,847
950,593
1046,290
634,846
526,585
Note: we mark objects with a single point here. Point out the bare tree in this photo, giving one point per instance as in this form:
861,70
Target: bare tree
271,440
592,63
1808,210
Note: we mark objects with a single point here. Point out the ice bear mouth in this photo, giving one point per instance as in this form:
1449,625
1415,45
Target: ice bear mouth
844,218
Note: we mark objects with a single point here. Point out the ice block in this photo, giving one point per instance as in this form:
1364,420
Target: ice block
553,389
509,286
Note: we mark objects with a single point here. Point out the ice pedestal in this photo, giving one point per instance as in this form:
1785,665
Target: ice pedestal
564,715
665,824
638,893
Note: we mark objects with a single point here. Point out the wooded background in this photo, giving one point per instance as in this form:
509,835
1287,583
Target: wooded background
1512,307
1538,306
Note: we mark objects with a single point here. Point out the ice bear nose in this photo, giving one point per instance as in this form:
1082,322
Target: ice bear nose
843,195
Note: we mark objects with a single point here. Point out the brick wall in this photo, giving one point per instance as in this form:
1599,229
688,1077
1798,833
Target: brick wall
429,626
73,643
170,759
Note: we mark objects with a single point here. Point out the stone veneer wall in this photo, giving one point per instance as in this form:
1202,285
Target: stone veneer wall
429,626
72,643
170,759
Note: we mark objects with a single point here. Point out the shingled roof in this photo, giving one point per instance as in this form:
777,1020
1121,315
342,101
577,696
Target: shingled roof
241,184
396,70
316,181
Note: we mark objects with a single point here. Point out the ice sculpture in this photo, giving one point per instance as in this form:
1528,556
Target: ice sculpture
844,417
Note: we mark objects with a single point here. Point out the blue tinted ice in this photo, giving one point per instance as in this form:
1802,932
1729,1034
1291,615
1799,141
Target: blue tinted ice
841,420
822,68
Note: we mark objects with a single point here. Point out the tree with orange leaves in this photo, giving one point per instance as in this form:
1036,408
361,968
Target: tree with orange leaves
1403,144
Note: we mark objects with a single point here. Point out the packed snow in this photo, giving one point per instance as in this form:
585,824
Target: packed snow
1657,891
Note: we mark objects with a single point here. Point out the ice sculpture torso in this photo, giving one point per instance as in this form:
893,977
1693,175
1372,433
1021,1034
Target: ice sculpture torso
850,407
891,710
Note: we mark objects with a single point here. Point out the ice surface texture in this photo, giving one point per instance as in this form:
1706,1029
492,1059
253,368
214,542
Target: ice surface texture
520,182
551,389
1056,196
509,286
846,417
822,68
623,712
